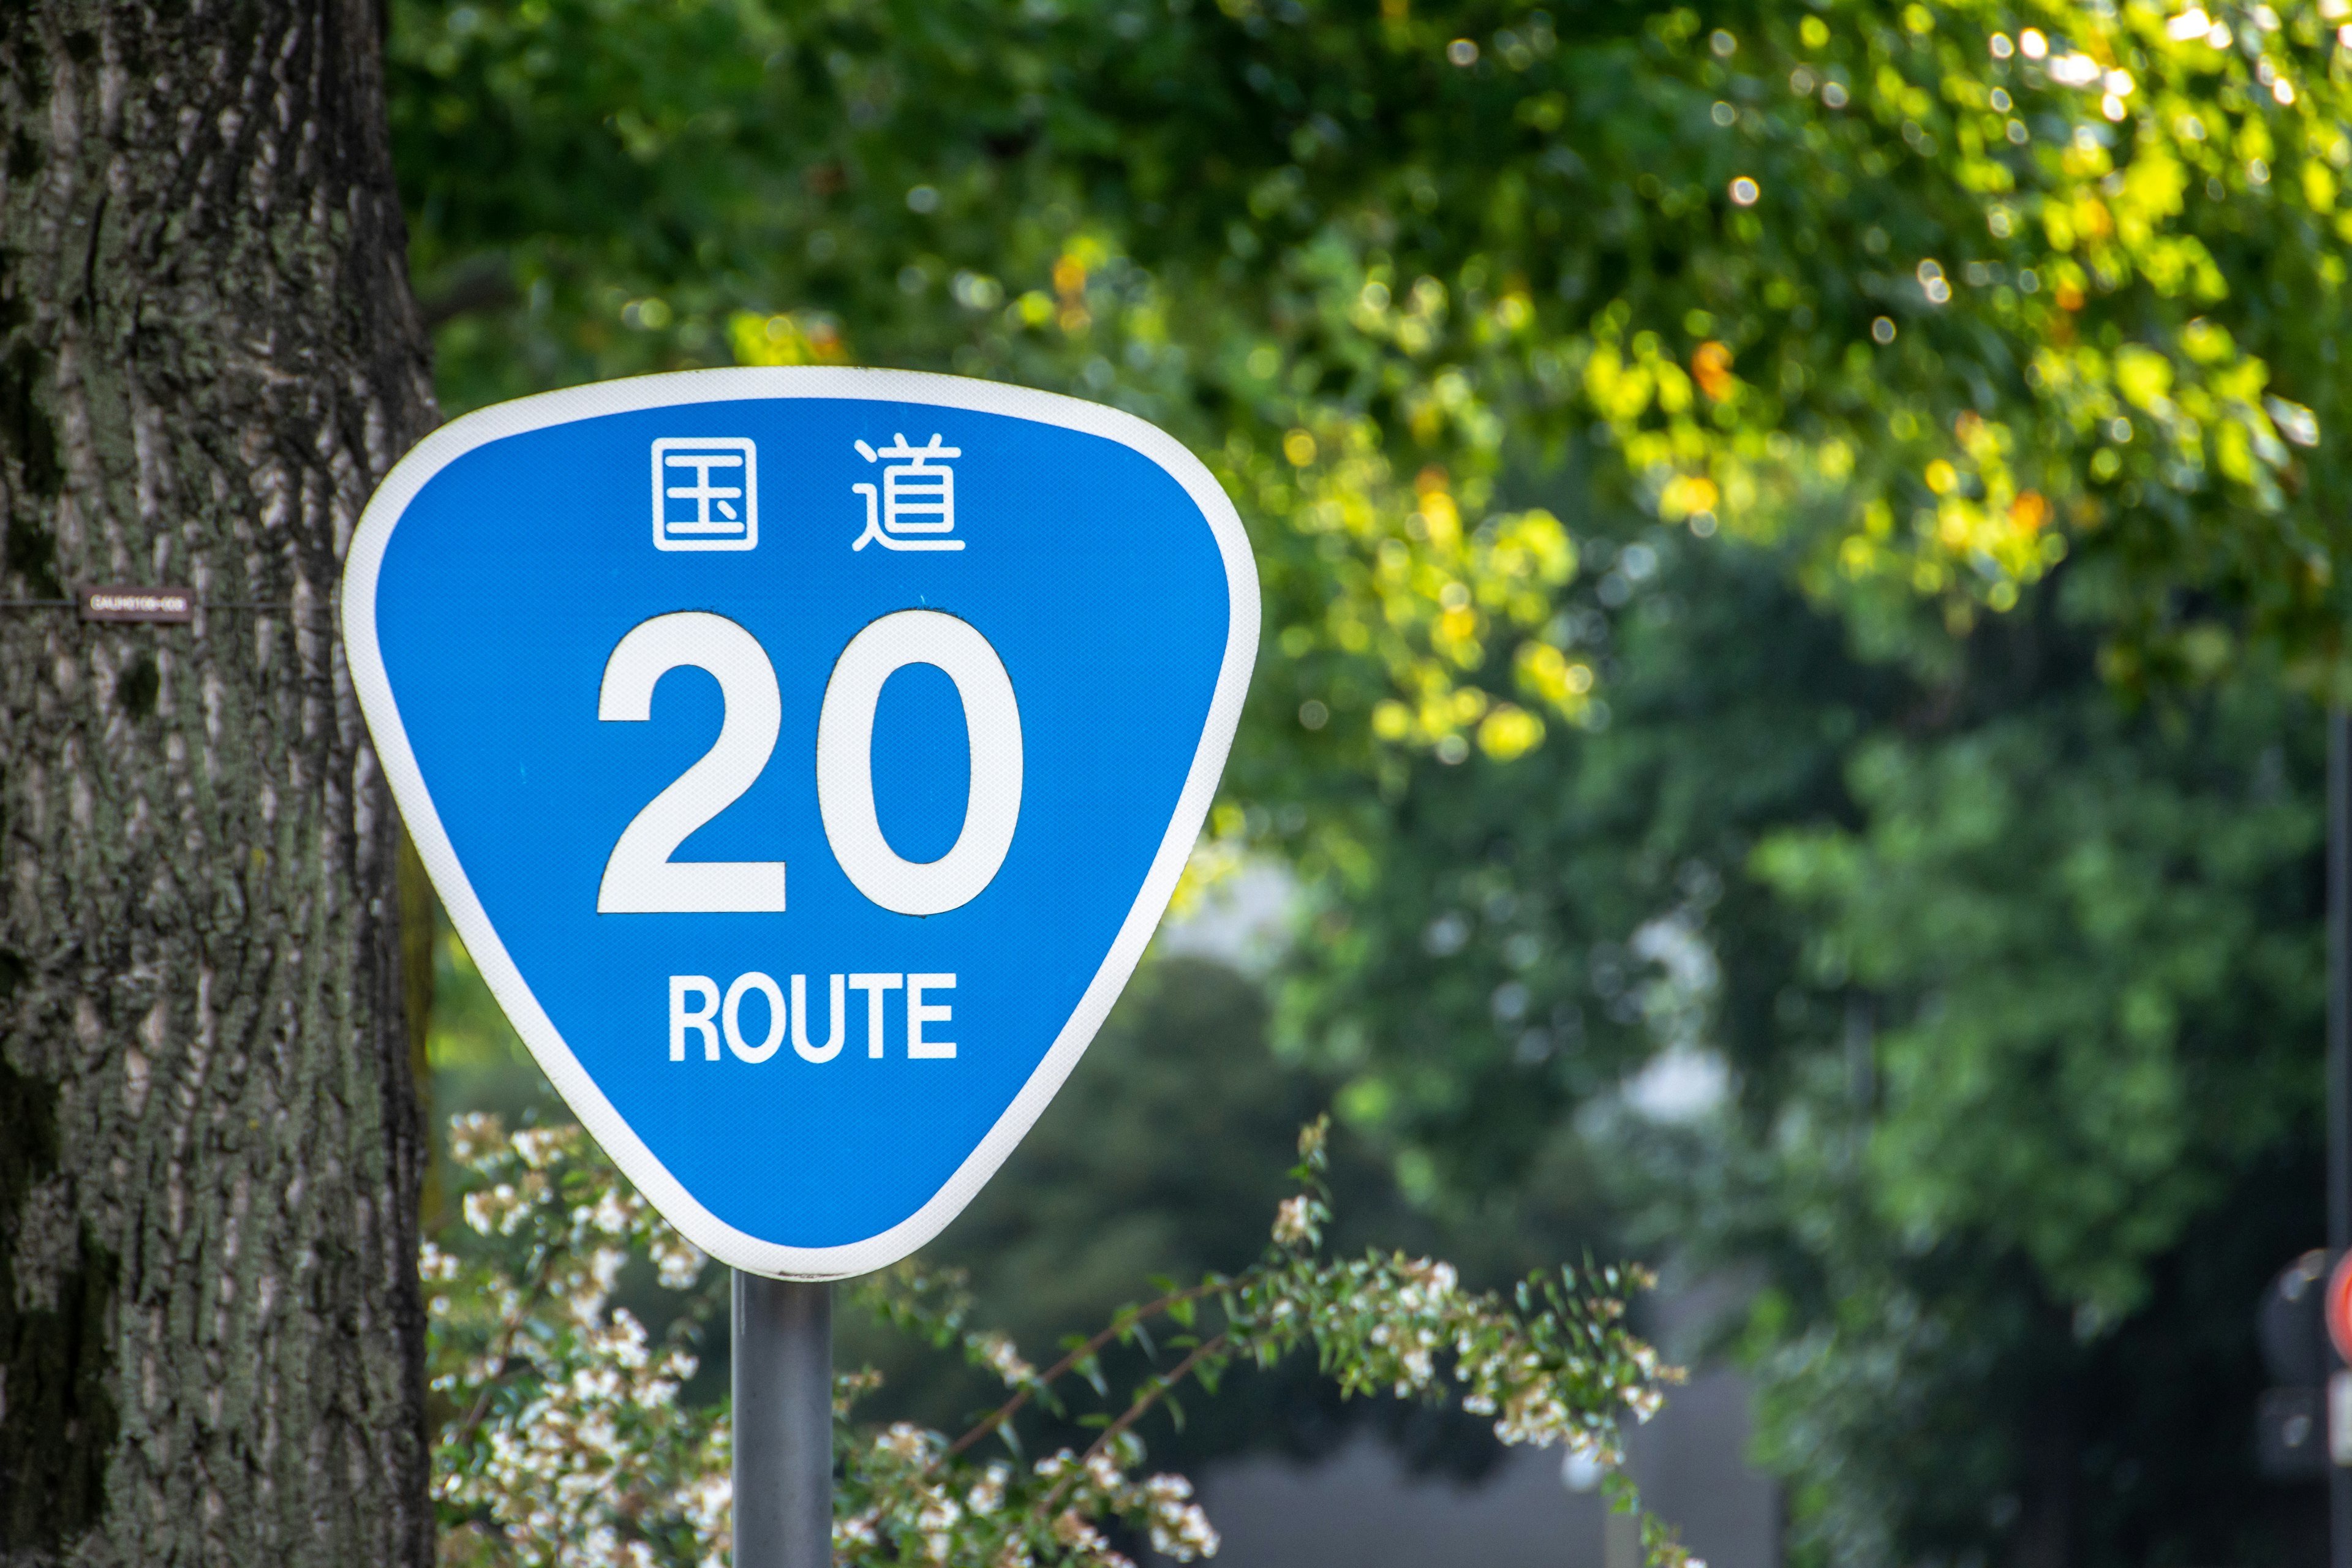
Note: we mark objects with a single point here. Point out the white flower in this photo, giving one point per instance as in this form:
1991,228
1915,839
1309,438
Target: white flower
904,1442
1293,1221
1004,1358
1184,1533
540,1146
1076,1534
476,1137
986,1497
679,1260
486,1208
611,1214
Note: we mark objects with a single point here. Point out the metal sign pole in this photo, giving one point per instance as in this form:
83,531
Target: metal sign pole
2339,1100
783,1423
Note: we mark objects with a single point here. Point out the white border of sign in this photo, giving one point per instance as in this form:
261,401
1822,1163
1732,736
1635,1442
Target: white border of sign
683,388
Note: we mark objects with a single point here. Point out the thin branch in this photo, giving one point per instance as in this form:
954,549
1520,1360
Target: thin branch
1135,1412
508,1333
1061,1368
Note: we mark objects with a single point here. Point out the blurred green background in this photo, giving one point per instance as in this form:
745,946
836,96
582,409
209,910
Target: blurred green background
1800,549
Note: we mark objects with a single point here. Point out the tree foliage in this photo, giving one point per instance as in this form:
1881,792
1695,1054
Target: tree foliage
1367,257
1999,340
2002,1003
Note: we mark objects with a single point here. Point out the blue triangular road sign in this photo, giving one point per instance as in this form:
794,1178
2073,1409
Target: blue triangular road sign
806,757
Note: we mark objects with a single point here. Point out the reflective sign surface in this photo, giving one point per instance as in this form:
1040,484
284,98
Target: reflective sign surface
806,757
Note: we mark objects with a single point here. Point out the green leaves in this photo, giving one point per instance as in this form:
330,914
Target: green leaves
1942,296
2060,916
1497,323
2014,995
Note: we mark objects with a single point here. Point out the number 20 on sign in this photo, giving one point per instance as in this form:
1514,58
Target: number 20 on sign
806,808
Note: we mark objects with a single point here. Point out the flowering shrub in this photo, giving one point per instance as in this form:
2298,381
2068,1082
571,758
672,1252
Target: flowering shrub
563,1440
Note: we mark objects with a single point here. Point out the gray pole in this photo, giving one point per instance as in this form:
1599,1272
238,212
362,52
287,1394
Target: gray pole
783,1423
2339,1081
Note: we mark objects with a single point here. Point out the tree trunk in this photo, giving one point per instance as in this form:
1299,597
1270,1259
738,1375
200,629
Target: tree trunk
211,1337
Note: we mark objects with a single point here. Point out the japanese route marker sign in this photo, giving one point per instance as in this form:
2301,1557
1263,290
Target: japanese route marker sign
806,757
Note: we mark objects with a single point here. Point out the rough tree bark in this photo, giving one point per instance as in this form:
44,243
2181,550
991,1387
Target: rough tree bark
210,1331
